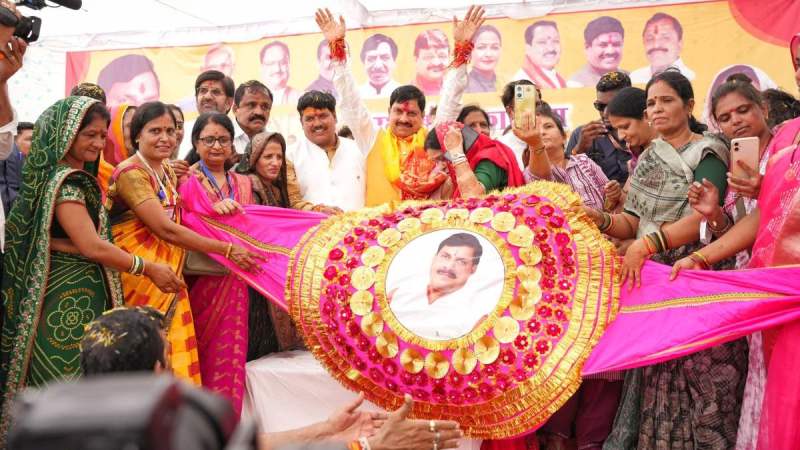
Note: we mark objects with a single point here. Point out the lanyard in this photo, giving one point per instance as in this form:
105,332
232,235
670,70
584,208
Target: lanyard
214,184
162,192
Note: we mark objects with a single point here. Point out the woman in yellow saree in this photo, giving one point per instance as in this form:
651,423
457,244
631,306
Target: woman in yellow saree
145,210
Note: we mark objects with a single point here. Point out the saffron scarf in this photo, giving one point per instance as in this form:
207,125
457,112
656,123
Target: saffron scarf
386,161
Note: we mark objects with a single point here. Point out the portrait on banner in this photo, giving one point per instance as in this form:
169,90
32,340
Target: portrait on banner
443,284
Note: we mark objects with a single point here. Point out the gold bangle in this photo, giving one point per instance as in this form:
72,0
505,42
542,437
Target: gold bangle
228,251
703,261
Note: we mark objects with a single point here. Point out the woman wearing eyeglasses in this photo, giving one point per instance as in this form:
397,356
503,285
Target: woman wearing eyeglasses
146,218
219,303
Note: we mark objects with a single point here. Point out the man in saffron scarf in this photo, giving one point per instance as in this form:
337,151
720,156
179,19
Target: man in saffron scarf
389,149
542,54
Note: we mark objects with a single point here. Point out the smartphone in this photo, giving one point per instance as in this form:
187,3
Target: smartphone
745,150
525,99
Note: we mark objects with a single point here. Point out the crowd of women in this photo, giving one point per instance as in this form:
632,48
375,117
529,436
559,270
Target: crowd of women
98,225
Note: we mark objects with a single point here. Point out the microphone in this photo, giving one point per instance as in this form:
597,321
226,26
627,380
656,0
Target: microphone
39,4
71,4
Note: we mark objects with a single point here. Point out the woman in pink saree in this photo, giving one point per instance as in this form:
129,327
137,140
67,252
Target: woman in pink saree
773,230
219,303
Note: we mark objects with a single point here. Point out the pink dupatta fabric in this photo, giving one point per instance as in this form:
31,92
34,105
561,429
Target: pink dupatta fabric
660,321
778,244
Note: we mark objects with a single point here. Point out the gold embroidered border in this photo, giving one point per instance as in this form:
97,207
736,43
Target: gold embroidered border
247,238
730,297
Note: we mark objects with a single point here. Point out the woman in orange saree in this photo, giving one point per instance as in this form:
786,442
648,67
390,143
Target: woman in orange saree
118,144
146,217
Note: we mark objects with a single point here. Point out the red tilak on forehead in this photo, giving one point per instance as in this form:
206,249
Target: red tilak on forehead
405,106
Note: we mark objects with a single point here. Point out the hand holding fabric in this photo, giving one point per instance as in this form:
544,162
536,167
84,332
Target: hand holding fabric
163,277
632,264
687,263
402,433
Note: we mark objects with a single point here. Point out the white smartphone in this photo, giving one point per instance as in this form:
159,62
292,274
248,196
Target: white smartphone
746,151
525,98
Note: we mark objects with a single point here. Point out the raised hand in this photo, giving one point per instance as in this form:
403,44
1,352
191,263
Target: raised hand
332,29
11,56
528,132
465,30
454,141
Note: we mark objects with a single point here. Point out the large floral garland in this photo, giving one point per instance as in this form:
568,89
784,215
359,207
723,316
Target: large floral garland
513,370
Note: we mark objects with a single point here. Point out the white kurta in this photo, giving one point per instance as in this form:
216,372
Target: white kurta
338,182
449,317
517,145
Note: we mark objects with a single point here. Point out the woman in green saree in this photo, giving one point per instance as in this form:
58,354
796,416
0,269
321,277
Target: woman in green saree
61,268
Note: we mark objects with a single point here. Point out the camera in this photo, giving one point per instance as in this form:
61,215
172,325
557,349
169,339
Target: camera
26,28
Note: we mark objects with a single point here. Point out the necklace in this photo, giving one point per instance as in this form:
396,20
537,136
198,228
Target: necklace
162,191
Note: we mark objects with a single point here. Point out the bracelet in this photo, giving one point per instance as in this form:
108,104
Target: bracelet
228,251
461,54
137,266
664,240
651,247
700,259
723,229
658,243
338,50
608,221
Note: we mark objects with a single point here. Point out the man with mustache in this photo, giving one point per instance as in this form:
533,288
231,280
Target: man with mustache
324,82
432,55
542,54
603,39
379,56
444,308
213,92
387,150
252,104
663,42
329,168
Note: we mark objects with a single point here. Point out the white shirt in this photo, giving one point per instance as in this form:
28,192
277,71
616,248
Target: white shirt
338,182
240,142
517,145
643,74
7,133
354,113
449,317
369,91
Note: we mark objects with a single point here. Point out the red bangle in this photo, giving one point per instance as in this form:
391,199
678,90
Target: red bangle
338,50
462,53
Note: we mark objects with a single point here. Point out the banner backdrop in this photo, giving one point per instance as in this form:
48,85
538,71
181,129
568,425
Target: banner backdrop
706,37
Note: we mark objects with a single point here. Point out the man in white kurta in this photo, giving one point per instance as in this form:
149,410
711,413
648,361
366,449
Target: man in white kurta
330,169
447,307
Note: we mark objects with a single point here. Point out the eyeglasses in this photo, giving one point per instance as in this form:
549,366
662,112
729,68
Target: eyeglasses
209,141
600,106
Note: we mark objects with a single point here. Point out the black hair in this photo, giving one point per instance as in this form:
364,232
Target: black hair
508,92
407,93
251,86
144,114
123,340
211,117
740,84
345,132
490,29
433,38
683,87
282,180
96,111
664,16
273,44
22,126
601,25
781,106
469,109
613,81
215,75
464,240
316,100
124,69
374,41
630,102
176,109
532,29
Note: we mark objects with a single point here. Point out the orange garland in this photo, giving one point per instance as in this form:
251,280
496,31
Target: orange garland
461,54
338,49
